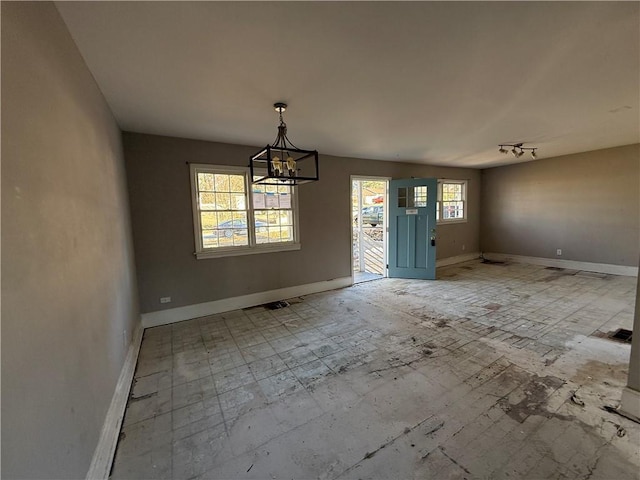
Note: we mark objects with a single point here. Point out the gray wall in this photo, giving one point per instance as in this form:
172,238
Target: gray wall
159,189
587,204
68,281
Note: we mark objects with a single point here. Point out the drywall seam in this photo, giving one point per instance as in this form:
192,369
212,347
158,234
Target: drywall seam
164,317
627,271
105,451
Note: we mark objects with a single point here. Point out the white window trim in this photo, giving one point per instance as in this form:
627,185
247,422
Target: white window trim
441,220
253,248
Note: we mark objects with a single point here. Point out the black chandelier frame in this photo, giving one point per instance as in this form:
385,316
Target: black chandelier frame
282,163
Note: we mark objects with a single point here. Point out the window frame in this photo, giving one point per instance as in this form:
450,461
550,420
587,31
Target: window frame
440,209
252,246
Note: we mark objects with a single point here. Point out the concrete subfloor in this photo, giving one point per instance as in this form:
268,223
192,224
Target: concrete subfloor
492,371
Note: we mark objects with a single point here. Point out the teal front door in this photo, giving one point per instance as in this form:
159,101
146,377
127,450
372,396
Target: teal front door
412,228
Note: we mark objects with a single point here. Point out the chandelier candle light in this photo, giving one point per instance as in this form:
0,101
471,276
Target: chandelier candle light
282,163
517,149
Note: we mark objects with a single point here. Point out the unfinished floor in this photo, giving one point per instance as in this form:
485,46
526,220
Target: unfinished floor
492,371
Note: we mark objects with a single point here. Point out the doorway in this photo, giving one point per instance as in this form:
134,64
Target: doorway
369,227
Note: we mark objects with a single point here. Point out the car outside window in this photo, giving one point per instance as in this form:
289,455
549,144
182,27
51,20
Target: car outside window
373,215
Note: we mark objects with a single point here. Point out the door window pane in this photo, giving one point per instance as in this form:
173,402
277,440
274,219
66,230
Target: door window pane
411,197
420,196
402,197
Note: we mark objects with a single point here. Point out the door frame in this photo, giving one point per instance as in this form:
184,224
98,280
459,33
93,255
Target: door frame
385,232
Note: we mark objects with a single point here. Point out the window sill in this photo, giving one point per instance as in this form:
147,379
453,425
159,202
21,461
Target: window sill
248,251
448,222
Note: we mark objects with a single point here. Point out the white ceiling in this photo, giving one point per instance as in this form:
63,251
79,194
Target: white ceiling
440,83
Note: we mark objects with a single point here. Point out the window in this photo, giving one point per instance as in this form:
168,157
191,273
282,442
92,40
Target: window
412,197
451,206
233,217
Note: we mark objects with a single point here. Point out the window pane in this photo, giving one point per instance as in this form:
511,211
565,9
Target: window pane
236,183
286,217
223,202
273,217
208,220
286,234
285,200
207,201
238,202
261,217
262,231
222,183
420,196
209,238
224,217
259,200
240,237
402,197
205,182
240,220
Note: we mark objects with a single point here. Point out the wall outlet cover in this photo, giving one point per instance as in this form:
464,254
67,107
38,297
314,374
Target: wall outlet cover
165,299
559,252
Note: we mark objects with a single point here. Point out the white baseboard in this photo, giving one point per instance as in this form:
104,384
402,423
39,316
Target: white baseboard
630,403
164,317
570,264
457,259
106,449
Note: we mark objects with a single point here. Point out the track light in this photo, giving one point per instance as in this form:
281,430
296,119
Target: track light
517,149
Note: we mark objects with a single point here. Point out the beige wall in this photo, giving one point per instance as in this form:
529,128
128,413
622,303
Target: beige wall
159,189
68,281
587,204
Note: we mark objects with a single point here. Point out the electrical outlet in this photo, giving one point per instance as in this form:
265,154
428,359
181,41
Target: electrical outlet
165,299
559,252
462,247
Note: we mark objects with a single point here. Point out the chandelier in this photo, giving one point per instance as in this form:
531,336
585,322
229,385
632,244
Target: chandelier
282,163
518,150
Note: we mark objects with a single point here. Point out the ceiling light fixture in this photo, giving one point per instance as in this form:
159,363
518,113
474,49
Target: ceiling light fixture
282,163
517,149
